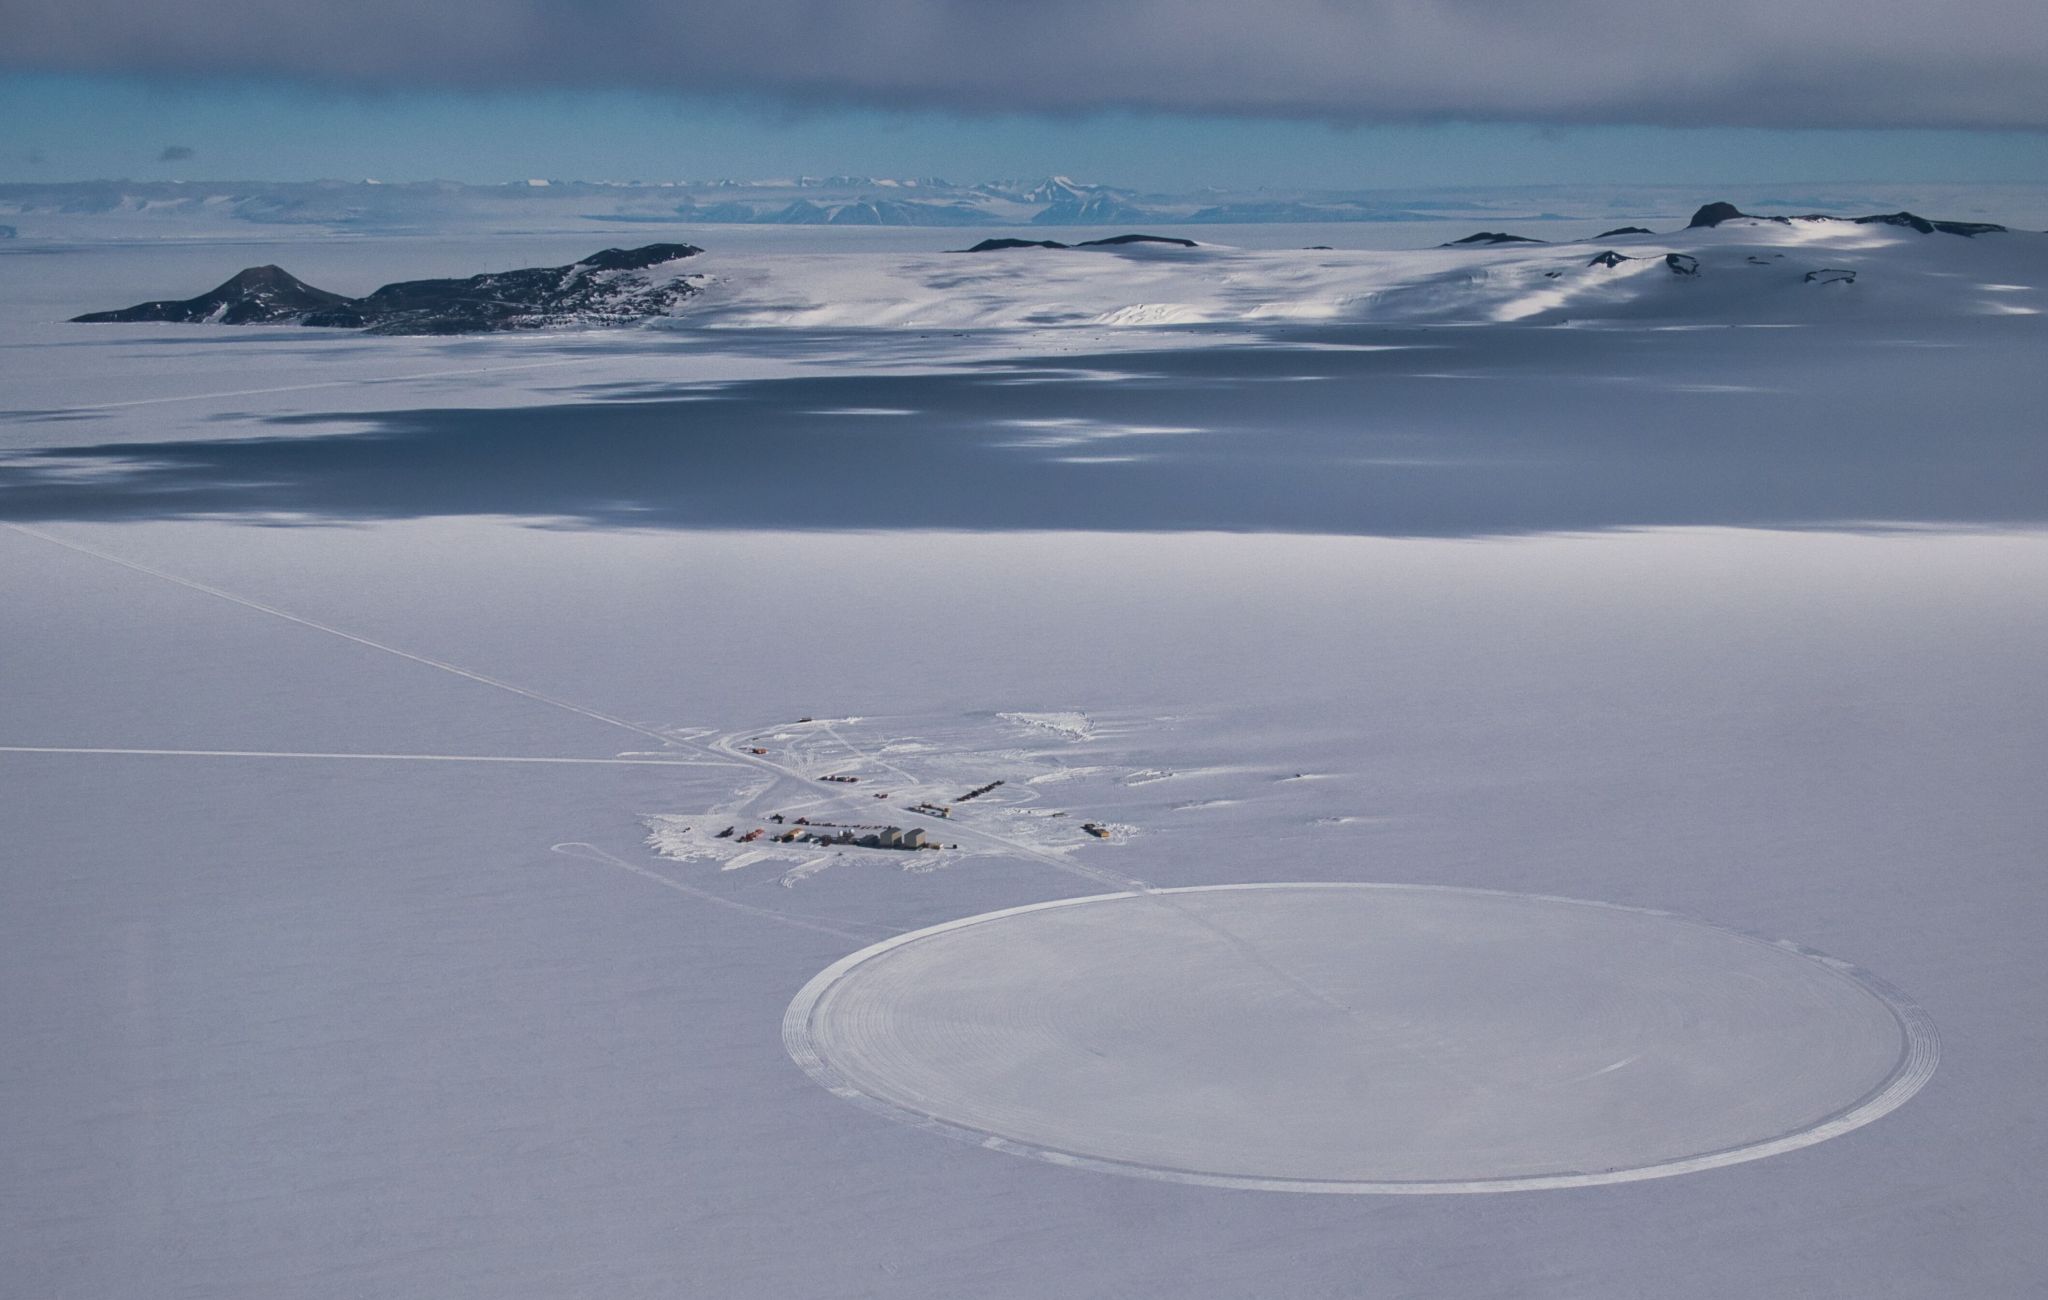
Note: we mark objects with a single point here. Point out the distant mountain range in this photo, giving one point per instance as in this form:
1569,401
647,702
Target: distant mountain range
805,201
150,209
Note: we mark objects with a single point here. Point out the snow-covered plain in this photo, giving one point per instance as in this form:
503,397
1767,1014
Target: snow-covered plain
364,698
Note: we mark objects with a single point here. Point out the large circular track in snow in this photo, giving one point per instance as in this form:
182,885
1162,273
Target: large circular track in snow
1360,1038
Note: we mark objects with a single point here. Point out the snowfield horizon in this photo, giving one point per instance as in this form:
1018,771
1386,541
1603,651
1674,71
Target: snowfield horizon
1725,266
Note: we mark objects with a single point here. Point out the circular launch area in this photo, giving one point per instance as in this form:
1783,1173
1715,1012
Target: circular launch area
1360,1038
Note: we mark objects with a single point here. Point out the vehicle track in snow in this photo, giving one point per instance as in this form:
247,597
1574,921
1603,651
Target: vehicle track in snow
385,758
722,748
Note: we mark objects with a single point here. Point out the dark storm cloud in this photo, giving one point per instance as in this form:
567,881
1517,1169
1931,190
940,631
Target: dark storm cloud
175,153
1752,62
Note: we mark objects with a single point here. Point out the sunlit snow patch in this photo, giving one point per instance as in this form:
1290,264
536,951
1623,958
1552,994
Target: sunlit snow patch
1067,726
1360,1038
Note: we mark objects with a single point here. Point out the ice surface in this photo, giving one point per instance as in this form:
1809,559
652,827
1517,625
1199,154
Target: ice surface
1360,1038
1666,612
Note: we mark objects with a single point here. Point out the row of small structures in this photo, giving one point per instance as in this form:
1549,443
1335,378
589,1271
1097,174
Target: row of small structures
805,831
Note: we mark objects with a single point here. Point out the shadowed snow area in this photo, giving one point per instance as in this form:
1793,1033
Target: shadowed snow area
1353,430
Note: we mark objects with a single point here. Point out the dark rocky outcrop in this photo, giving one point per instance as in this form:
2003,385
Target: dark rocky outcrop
1118,241
1113,241
1000,245
1623,230
621,259
1966,229
614,287
1678,263
1713,214
1486,237
260,295
1830,275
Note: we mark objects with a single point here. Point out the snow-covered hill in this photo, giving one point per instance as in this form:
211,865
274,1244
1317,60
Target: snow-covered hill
1739,271
1722,270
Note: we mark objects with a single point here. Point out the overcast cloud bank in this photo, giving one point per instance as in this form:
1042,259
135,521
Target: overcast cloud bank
1829,63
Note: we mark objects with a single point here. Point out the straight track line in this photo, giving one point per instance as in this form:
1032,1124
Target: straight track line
272,610
719,749
317,754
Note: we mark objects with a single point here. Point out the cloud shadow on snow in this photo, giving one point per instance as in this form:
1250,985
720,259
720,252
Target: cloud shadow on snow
1449,432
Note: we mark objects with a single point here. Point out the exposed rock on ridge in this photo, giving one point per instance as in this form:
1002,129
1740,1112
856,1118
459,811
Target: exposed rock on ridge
260,295
1489,237
615,287
1114,241
1713,214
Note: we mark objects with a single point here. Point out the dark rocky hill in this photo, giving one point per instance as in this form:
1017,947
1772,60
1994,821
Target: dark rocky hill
258,296
1113,241
1118,241
615,287
1966,229
1002,245
1713,214
1490,237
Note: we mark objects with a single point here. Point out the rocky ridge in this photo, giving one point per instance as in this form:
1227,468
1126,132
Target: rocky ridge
1713,214
618,286
1113,241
